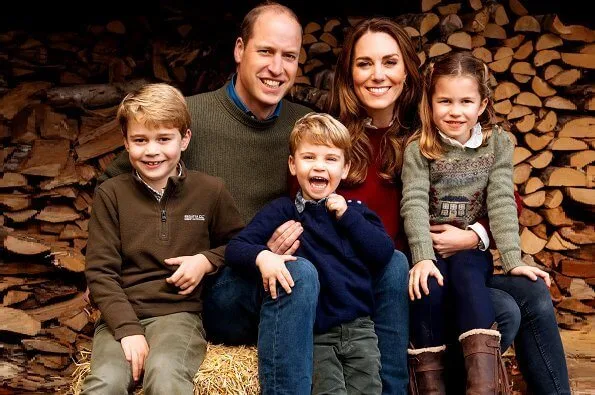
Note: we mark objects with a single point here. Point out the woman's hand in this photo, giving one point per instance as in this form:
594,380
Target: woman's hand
448,240
418,277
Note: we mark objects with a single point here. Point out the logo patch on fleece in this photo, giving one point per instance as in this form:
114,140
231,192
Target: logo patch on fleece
194,217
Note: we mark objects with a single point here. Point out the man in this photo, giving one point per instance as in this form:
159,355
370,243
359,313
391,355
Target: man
241,135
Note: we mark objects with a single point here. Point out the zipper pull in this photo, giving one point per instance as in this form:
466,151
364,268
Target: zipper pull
163,216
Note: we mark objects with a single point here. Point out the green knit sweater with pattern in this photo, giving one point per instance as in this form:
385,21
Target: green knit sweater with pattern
458,189
248,154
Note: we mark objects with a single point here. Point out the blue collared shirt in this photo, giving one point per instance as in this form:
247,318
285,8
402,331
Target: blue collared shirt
233,95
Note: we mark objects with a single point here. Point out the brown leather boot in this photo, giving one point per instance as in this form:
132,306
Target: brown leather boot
426,371
486,374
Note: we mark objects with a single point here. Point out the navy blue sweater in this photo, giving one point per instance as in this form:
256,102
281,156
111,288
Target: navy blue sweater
345,253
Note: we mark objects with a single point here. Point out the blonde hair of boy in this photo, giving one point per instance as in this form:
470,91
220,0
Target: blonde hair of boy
155,105
323,129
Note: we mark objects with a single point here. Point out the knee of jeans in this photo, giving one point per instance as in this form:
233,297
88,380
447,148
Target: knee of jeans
536,292
305,277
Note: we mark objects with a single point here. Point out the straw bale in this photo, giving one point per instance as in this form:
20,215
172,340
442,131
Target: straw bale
226,370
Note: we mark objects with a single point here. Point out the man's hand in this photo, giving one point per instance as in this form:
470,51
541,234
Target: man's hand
284,240
136,351
190,273
532,273
447,240
272,268
418,277
336,204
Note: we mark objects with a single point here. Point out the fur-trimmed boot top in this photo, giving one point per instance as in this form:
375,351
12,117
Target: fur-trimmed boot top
426,371
486,374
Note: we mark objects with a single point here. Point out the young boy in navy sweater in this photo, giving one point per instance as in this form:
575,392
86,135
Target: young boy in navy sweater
344,240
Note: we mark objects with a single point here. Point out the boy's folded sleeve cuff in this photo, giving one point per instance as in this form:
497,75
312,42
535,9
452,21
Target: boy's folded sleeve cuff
128,330
215,259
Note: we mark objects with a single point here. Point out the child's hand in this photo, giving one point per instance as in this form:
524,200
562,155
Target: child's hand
418,276
337,204
190,273
136,351
272,268
532,273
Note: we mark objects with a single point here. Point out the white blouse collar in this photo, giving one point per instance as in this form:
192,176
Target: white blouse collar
474,141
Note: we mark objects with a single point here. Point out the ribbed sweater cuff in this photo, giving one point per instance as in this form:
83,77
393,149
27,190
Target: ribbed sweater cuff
422,252
510,260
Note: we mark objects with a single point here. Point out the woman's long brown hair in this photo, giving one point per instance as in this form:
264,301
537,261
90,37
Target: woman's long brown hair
345,104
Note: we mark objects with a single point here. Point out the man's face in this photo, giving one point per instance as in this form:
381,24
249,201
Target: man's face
268,62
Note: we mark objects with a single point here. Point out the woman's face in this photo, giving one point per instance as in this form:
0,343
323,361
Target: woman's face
378,74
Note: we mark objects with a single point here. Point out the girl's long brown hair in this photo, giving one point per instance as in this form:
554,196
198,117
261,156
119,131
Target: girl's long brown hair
345,104
454,64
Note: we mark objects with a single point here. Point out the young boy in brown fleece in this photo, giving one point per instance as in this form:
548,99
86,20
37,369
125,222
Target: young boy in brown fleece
150,303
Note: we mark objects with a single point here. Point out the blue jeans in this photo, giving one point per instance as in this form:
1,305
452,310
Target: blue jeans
539,348
237,311
232,306
391,321
508,316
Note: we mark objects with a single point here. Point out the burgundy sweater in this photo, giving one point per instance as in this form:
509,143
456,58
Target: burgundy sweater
381,196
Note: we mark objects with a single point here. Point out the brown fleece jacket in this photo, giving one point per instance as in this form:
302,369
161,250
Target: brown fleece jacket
131,233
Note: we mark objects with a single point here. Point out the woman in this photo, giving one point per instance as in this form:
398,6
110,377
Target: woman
375,94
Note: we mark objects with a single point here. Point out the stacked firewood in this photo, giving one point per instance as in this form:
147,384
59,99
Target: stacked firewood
544,95
58,95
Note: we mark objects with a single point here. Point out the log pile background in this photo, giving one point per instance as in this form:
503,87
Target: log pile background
58,93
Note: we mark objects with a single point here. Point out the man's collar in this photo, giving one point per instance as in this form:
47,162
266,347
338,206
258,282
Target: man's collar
233,95
300,202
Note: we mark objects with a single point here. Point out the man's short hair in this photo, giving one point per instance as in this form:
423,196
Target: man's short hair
247,26
323,129
155,105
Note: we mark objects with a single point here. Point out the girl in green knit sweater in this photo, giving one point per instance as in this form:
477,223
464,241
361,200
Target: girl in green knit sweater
457,169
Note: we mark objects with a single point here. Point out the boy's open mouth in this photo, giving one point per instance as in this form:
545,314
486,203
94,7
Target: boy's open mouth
318,183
